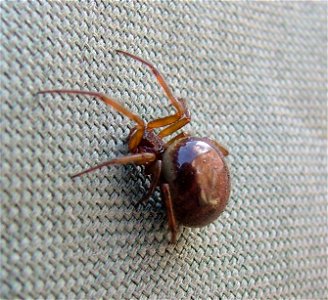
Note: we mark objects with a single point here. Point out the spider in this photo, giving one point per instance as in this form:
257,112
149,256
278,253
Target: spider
191,171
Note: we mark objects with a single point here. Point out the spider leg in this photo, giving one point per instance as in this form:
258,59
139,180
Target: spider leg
174,127
177,137
155,176
223,149
185,119
140,127
178,104
160,80
170,212
141,159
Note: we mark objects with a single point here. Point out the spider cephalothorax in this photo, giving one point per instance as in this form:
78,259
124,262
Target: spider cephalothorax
150,143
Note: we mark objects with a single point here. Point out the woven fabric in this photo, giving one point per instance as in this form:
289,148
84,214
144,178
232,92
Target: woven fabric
255,78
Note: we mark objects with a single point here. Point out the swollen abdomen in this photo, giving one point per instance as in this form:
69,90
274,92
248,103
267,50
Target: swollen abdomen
199,180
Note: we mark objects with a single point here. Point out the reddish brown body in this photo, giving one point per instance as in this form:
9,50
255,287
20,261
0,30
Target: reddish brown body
191,172
199,180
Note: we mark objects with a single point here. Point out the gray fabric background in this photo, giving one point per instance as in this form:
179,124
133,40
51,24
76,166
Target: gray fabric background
255,77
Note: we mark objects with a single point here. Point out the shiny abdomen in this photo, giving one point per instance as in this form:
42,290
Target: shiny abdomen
199,180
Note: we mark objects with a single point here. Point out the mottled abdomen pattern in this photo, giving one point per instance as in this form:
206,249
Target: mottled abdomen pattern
199,180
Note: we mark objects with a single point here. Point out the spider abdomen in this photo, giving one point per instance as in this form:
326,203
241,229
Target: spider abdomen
199,180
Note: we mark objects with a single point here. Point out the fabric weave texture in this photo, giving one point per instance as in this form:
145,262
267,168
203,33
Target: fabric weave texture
255,78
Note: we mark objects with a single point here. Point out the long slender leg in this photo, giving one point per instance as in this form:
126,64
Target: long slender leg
160,80
174,127
138,134
161,122
180,109
170,212
141,158
156,173
224,150
177,124
177,137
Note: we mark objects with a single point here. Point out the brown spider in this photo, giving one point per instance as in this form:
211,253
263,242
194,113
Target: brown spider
191,171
